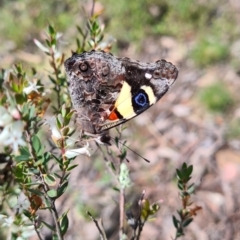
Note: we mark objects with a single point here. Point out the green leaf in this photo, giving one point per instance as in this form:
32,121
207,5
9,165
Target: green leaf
52,79
116,189
64,224
175,221
47,203
50,179
146,206
100,38
48,226
32,184
62,188
180,186
32,112
71,167
80,30
24,155
179,174
144,214
20,98
55,237
27,214
32,171
36,143
189,170
68,117
191,189
51,30
123,154
154,208
37,192
57,175
65,177
78,43
48,43
187,221
53,42
39,162
47,157
179,233
112,166
64,111
22,158
59,161
59,121
52,193
65,130
184,166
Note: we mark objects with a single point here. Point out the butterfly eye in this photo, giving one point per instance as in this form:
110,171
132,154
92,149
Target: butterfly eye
83,67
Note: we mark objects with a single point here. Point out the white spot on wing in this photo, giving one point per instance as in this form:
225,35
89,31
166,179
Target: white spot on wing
148,75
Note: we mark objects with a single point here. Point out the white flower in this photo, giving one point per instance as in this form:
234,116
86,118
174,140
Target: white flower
71,153
22,203
12,135
33,87
56,134
41,46
7,74
6,221
5,117
70,141
27,231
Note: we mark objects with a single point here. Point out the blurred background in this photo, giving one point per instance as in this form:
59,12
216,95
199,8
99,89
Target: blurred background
197,121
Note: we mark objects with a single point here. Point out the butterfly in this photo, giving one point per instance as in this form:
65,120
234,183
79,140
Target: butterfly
107,91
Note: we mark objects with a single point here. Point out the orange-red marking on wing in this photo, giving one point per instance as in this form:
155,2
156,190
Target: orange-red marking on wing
113,116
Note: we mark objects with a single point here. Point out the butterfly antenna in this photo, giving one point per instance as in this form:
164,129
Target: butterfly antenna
134,151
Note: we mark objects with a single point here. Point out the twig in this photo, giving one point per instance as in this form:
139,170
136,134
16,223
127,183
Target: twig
121,209
93,6
37,230
45,187
140,223
58,89
107,165
102,233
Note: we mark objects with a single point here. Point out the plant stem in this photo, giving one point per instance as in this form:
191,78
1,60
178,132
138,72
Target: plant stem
121,209
58,89
37,230
45,187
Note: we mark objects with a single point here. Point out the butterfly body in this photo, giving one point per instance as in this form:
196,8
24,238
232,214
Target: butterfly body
107,91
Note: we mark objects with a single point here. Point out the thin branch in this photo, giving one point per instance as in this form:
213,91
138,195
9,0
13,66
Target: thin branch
140,223
102,233
122,212
45,187
37,229
93,6
58,89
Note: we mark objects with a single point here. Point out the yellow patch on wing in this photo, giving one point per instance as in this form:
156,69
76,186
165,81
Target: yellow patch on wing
149,91
124,102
